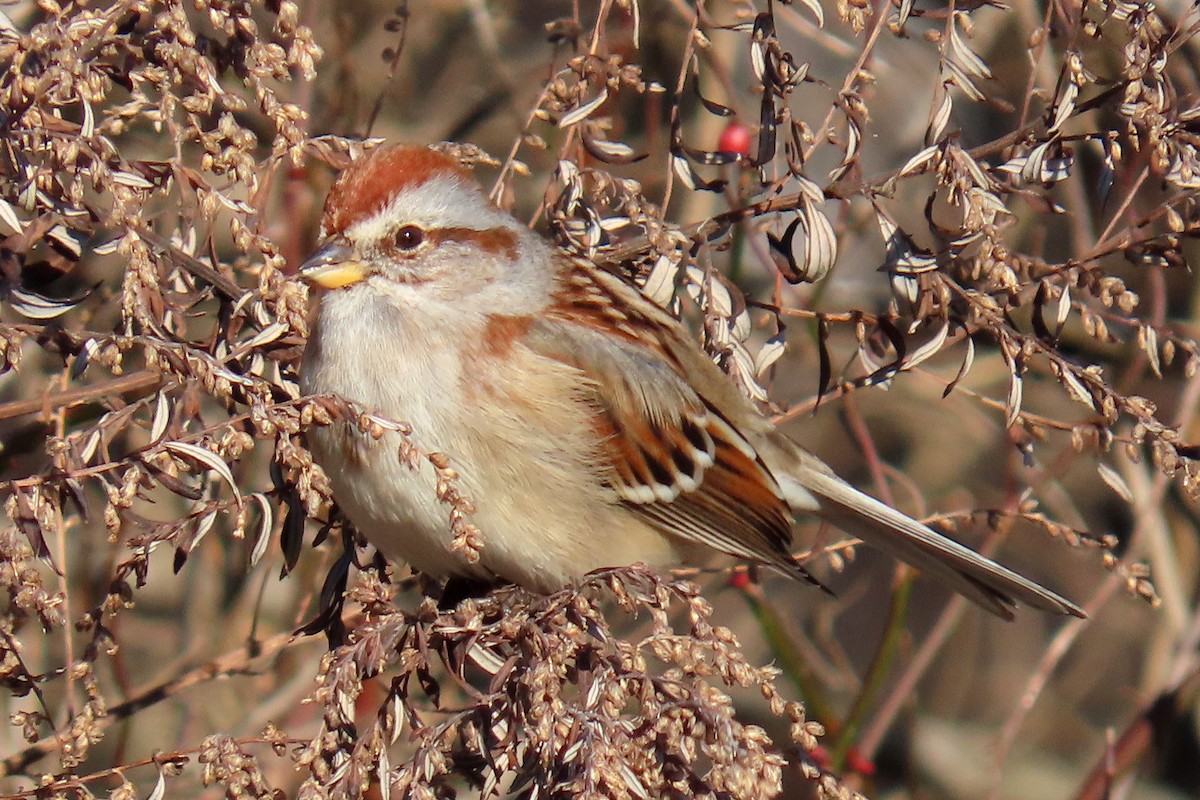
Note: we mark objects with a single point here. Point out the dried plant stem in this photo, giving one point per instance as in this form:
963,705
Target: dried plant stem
906,683
788,653
853,75
236,662
1071,630
1138,738
685,68
878,673
1059,646
137,383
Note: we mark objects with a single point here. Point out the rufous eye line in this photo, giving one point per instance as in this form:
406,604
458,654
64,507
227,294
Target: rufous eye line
496,241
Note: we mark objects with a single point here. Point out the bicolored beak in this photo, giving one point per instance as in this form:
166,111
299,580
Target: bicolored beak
333,267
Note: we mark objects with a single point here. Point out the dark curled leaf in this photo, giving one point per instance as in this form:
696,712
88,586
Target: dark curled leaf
33,305
291,537
785,75
171,483
710,158
204,522
963,368
53,338
758,46
902,257
896,338
794,150
692,179
719,229
323,533
605,150
768,119
333,599
1016,366
1039,305
1191,451
27,522
826,363
73,491
711,106
65,243
83,357
764,27
682,162
784,255
818,252
38,275
1110,153
429,685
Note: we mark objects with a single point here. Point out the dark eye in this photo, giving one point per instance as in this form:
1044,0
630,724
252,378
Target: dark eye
409,237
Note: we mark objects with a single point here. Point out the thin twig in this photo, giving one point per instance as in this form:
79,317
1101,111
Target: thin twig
236,662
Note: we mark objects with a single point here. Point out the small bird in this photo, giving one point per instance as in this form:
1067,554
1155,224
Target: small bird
587,427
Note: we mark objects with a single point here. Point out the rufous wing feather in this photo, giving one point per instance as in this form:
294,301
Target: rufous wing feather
669,454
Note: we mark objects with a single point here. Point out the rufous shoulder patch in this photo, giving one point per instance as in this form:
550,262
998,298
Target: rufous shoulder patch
369,183
502,332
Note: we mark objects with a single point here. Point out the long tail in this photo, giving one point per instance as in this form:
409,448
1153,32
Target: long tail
811,486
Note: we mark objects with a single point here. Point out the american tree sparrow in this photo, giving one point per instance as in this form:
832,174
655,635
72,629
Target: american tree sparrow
587,426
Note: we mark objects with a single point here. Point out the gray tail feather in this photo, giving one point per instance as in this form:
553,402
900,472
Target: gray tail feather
977,578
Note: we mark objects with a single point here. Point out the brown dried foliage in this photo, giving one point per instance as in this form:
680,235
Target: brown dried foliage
157,175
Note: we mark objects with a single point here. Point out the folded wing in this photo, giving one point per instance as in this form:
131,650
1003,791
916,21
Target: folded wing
683,449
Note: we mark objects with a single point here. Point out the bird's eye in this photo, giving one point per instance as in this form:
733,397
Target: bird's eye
409,237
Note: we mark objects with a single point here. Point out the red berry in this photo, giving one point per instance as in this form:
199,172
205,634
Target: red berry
856,762
736,138
740,579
